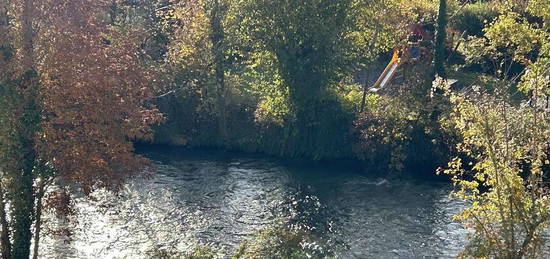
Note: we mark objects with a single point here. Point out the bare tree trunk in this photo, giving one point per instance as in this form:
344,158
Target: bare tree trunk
5,245
23,203
38,218
365,89
22,209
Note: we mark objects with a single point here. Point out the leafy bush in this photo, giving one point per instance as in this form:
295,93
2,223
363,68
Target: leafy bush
402,129
381,131
200,251
279,242
473,17
512,212
162,253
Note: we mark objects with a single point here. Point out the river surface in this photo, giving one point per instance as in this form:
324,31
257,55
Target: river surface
220,199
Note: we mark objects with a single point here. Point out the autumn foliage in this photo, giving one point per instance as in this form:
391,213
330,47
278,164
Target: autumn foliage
75,89
93,91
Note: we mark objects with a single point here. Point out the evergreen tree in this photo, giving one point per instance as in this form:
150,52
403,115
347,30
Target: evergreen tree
440,35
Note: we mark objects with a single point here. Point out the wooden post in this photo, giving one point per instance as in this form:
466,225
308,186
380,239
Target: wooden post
365,89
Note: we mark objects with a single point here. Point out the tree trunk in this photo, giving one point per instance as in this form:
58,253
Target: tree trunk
439,55
38,218
217,36
5,244
305,103
23,209
27,36
365,90
23,197
4,19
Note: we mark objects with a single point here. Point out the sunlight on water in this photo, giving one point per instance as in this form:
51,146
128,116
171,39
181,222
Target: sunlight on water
220,200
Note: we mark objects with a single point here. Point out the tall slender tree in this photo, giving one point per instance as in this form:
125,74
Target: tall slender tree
20,124
440,36
217,36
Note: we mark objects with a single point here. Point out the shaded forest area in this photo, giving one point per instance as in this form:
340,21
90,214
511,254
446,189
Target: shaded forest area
82,81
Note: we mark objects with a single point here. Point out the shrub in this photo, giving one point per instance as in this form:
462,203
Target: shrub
472,18
402,129
279,242
200,251
510,205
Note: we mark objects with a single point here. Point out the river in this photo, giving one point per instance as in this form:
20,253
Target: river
220,199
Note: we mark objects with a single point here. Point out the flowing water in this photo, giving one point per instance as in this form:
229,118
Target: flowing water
221,199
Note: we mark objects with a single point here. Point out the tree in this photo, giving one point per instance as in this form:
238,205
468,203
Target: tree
307,39
440,35
316,44
73,102
510,205
198,55
506,137
217,36
21,116
284,61
102,70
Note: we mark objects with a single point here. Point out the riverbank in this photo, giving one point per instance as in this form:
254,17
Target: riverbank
355,165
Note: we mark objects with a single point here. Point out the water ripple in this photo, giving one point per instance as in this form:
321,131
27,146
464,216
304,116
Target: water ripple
221,200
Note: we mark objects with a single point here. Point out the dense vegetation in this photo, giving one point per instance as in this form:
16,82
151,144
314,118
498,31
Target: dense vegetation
81,81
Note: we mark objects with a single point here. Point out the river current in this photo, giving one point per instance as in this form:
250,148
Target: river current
221,199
